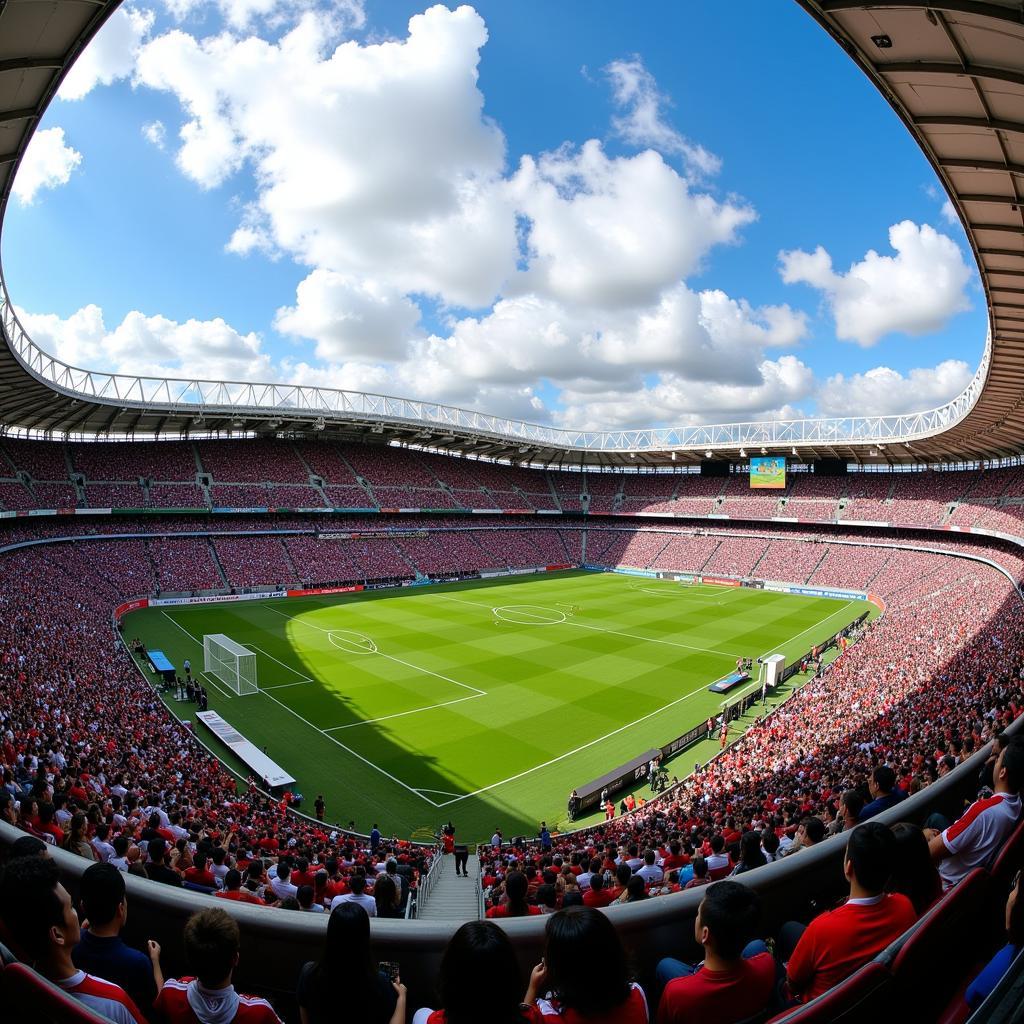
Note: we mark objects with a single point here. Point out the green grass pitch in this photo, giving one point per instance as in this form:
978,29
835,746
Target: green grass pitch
485,702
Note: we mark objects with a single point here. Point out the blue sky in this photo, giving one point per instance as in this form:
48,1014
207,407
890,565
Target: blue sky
587,213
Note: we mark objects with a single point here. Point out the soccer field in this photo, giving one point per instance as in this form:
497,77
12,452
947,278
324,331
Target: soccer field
485,702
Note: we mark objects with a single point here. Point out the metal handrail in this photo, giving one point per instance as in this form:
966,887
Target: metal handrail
196,396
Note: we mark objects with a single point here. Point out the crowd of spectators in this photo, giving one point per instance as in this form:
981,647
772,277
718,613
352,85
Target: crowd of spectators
96,765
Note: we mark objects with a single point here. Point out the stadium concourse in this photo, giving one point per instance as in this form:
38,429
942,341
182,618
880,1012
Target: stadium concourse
93,762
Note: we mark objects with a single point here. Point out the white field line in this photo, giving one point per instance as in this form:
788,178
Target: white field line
390,657
285,686
366,761
349,750
402,714
599,629
831,615
569,753
303,678
219,689
440,792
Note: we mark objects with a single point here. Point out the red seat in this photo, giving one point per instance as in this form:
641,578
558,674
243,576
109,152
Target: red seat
932,960
1009,861
30,997
862,997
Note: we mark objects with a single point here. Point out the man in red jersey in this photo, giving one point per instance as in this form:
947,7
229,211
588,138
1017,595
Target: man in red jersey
211,948
726,987
974,840
835,944
38,912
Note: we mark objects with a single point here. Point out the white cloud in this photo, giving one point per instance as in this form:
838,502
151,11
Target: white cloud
372,160
349,319
152,345
242,15
949,214
614,231
48,163
377,171
110,55
642,123
883,391
914,292
677,400
155,132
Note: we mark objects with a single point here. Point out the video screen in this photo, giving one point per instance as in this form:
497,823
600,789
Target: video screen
768,472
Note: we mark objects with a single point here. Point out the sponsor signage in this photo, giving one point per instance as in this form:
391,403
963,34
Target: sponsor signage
130,606
719,581
163,602
646,573
841,595
312,591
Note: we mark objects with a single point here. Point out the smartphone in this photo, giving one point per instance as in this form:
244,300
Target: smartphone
389,968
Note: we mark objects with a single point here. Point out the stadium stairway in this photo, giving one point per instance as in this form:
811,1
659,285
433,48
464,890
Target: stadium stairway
453,898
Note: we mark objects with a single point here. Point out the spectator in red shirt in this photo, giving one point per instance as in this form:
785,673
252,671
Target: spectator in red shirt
233,890
835,944
515,892
597,895
584,976
211,949
38,912
737,977
198,874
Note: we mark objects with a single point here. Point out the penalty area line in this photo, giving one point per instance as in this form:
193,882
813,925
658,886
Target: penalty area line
390,657
349,750
569,753
402,714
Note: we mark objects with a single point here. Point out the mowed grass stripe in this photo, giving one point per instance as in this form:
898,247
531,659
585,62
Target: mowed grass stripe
550,689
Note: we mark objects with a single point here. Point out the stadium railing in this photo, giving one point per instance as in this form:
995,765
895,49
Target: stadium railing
275,943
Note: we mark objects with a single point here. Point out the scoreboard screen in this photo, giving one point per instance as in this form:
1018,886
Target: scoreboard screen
768,472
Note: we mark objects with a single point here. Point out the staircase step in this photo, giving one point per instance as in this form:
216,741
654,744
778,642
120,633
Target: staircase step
453,898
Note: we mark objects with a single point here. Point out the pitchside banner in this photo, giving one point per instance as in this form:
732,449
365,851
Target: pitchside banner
768,472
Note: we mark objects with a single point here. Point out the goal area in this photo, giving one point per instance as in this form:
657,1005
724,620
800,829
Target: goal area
230,663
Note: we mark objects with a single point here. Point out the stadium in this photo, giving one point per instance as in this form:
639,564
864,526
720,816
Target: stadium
294,631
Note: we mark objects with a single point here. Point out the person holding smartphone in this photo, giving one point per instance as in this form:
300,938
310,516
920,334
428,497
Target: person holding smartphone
345,978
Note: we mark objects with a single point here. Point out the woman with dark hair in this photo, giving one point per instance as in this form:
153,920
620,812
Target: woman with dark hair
386,895
584,975
994,970
913,872
76,840
479,980
515,904
345,984
751,854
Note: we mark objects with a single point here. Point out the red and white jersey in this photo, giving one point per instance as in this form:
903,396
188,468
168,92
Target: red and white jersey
975,839
185,1001
104,997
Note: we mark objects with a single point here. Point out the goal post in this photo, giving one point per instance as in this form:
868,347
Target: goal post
230,662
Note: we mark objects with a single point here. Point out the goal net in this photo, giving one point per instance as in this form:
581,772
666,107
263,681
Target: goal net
231,663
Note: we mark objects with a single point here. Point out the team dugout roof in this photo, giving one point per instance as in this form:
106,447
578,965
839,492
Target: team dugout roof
953,71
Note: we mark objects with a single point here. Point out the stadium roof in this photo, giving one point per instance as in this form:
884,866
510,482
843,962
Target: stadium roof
952,69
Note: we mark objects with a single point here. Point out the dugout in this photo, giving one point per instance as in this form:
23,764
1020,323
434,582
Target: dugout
613,781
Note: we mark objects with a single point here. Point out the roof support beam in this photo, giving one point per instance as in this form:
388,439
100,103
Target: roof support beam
971,197
31,64
934,67
976,7
950,121
984,165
